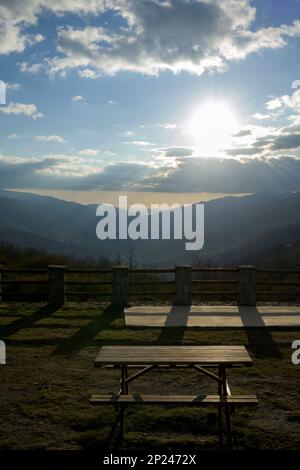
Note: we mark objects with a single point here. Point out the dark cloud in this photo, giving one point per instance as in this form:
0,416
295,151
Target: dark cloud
190,174
242,151
243,133
18,174
285,142
232,175
178,152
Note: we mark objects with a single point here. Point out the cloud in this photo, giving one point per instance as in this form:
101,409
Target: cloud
29,110
88,73
140,143
169,126
49,138
152,35
111,103
231,175
21,172
285,142
128,133
156,38
190,174
78,98
89,152
285,101
295,84
13,86
260,116
178,152
275,141
30,68
17,15
13,136
12,39
243,133
274,104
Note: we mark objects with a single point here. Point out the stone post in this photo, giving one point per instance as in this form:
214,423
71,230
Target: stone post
56,285
1,279
183,285
247,285
120,286
298,280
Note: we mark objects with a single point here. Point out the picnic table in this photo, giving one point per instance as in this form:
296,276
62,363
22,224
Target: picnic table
203,359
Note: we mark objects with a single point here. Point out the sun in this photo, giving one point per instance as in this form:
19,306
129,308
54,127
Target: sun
211,128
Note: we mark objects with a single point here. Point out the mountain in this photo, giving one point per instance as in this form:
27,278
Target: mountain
248,229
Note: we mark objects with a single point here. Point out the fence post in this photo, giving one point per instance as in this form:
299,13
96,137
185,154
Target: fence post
1,279
298,280
247,285
56,285
120,286
183,285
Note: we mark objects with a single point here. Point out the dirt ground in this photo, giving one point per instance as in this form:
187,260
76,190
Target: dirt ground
49,377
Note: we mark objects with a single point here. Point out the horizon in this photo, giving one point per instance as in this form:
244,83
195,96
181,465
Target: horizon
112,197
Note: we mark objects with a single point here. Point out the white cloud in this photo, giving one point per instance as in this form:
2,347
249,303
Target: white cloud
29,110
110,103
153,37
260,116
89,152
156,38
285,101
128,133
17,15
13,136
13,86
142,143
78,98
30,68
87,73
169,126
49,138
295,84
275,103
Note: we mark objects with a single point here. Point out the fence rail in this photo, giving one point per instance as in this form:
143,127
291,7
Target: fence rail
120,285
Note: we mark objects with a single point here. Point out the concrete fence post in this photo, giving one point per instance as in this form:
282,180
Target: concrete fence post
120,286
56,285
298,280
1,279
183,285
247,285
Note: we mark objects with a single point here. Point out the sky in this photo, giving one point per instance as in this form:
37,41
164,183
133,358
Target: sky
165,96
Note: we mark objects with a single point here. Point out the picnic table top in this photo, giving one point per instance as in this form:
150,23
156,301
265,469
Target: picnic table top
189,355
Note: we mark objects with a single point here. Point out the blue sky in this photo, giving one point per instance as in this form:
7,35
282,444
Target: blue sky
149,95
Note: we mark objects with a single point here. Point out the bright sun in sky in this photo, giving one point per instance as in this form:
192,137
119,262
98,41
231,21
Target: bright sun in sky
211,127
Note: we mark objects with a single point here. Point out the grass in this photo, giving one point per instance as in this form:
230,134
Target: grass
49,377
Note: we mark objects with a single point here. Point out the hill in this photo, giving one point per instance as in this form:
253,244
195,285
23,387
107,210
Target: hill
249,229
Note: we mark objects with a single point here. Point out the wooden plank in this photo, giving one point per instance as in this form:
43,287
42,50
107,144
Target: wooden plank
176,399
173,354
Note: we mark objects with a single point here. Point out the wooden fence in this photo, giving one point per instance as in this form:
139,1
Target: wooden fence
120,285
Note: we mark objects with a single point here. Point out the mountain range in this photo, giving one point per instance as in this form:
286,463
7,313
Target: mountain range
254,229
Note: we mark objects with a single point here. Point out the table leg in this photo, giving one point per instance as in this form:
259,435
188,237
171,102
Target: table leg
124,391
227,408
220,411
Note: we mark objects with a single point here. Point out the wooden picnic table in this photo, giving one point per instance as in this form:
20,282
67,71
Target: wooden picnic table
173,355
200,358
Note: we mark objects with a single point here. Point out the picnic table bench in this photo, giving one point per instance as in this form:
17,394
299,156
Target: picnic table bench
200,358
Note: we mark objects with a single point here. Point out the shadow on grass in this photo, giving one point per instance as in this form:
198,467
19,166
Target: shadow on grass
260,340
85,335
27,321
175,325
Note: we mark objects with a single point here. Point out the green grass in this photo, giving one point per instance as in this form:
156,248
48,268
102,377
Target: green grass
49,377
